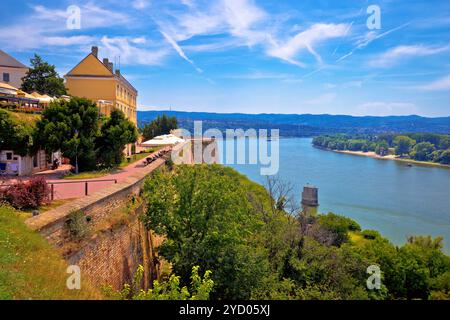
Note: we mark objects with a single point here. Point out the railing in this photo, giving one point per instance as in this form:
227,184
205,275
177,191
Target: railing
86,185
52,185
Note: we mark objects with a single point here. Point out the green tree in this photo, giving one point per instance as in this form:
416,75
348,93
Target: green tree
43,78
444,157
382,148
423,151
403,145
115,133
72,127
15,136
199,289
161,125
205,216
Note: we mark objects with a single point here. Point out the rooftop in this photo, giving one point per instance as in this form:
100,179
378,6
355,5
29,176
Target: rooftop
8,61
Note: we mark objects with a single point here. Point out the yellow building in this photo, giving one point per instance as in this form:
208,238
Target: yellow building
97,81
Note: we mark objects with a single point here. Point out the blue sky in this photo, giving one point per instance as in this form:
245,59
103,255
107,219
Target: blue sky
272,56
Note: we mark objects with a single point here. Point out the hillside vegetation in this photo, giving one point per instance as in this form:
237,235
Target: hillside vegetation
215,218
30,267
303,125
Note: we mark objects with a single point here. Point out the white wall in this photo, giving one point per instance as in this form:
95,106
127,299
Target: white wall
15,76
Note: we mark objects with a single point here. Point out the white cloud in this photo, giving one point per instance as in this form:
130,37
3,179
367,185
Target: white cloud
306,40
438,85
180,51
400,53
48,28
326,98
129,54
379,108
245,24
140,4
368,38
92,16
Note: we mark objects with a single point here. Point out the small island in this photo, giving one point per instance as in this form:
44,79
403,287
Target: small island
420,148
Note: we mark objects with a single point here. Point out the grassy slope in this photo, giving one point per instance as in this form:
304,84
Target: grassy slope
29,267
26,119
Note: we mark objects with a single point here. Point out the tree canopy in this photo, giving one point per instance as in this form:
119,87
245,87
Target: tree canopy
43,78
115,133
161,125
72,127
217,219
76,128
14,135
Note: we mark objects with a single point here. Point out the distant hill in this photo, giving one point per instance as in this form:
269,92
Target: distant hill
304,125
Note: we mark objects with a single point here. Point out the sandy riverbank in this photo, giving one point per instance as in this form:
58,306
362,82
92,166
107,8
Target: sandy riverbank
372,154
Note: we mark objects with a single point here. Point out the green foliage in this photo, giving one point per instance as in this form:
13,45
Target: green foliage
161,125
205,218
199,289
214,217
75,127
14,135
72,127
417,146
77,225
31,269
403,145
43,78
115,133
339,226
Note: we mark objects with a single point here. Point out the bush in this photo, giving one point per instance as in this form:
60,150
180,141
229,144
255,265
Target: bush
339,226
27,195
77,225
371,234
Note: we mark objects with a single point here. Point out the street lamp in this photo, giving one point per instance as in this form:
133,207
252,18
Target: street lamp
76,152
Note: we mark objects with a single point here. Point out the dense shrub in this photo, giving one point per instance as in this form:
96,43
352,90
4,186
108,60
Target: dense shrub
26,194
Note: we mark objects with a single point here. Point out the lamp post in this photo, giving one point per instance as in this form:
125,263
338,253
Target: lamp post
76,152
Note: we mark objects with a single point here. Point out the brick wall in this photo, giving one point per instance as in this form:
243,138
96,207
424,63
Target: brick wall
111,256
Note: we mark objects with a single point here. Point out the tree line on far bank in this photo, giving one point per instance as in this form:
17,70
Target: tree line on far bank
417,146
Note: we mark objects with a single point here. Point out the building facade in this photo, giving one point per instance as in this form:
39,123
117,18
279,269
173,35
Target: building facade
11,70
98,81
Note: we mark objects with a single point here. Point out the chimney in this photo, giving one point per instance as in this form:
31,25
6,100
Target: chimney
106,62
118,72
111,67
94,51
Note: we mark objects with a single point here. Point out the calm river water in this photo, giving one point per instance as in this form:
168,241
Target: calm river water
384,195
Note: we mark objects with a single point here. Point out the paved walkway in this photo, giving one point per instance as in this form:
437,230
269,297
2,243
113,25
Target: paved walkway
70,189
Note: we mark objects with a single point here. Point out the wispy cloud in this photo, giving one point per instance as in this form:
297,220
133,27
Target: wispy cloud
442,84
324,99
92,16
130,54
306,40
400,53
180,51
140,4
368,38
381,108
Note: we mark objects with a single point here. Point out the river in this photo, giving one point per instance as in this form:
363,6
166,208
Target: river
384,195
